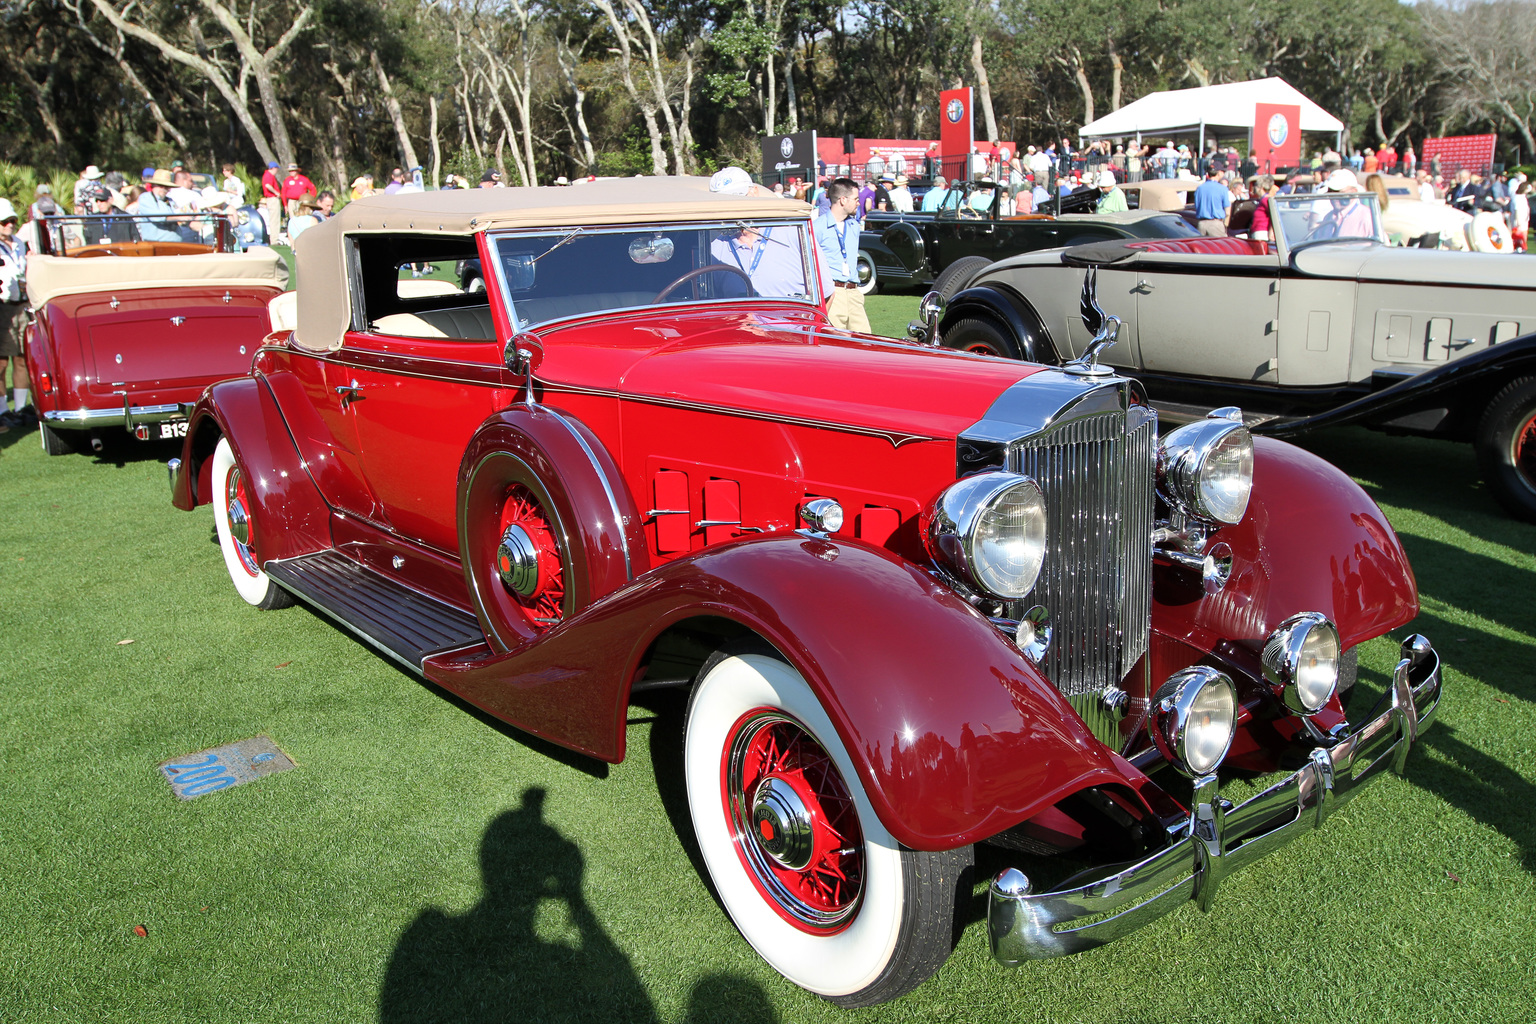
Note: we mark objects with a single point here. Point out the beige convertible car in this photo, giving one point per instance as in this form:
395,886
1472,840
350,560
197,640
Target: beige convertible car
1325,325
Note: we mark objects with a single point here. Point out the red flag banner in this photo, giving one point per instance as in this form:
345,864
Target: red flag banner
956,131
1276,140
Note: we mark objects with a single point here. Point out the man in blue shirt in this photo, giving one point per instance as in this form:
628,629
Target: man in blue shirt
1213,205
837,238
772,261
153,203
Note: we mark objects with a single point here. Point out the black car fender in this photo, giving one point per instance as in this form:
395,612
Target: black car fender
1008,311
1462,388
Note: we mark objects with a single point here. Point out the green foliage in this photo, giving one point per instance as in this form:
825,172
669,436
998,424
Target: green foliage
18,183
634,158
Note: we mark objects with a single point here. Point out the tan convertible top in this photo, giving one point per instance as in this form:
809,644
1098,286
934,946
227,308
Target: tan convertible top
324,308
49,277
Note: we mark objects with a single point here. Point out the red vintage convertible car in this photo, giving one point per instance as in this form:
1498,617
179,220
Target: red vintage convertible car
128,324
921,599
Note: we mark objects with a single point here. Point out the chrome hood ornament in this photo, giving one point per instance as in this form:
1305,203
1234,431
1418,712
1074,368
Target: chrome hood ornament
1105,330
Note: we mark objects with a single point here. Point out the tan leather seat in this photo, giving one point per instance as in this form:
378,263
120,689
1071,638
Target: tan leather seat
283,311
472,322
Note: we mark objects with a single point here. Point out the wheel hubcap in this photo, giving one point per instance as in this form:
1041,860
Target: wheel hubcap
783,826
238,517
794,822
517,561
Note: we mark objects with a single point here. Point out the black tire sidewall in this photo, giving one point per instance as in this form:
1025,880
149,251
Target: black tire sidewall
1509,411
970,331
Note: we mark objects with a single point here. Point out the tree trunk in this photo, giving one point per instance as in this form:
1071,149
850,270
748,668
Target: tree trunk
581,136
396,117
437,152
1083,85
261,64
791,102
771,102
984,86
338,150
1117,69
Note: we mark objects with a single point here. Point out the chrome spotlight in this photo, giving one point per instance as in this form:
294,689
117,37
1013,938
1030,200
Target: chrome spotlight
1301,659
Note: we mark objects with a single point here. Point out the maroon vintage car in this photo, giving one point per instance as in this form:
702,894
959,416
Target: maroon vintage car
132,319
921,599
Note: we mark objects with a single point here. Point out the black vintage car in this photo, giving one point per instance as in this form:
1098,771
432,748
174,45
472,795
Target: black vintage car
949,247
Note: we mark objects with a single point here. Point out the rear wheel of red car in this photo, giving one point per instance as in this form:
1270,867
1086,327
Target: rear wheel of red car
981,337
803,866
234,517
54,443
1506,448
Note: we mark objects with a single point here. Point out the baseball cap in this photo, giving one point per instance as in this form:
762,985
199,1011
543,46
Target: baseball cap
7,211
731,180
1341,181
491,174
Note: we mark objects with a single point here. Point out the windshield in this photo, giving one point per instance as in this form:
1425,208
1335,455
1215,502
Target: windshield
122,234
1327,216
572,271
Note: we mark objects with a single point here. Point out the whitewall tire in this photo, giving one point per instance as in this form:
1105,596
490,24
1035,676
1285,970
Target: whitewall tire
803,866
234,519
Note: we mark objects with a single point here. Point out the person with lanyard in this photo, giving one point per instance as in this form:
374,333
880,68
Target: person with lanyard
773,265
837,236
110,228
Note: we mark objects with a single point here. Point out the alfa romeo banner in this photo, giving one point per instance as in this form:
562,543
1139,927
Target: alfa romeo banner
956,131
789,156
1276,140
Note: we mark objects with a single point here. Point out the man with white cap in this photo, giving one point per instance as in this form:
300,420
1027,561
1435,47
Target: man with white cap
1111,199
1342,218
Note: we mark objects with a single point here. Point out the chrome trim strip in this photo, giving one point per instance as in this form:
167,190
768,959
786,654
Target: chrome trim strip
613,501
82,419
1218,839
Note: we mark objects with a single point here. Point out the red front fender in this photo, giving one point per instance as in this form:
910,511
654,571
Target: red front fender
292,517
955,735
1312,541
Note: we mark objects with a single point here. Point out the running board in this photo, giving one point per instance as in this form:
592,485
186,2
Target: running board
408,626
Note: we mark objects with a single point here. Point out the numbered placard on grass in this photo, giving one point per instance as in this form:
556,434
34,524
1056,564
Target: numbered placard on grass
209,771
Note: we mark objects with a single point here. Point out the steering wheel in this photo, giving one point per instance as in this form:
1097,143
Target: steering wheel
969,213
700,272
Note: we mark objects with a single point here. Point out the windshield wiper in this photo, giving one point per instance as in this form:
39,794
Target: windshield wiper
558,244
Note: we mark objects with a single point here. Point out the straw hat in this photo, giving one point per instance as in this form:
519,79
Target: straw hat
162,177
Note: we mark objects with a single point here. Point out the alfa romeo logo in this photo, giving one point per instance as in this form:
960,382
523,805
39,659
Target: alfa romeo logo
787,147
955,111
1279,129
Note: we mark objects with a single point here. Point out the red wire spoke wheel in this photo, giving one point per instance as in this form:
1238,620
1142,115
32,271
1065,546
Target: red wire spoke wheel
796,826
528,558
799,859
234,519
1505,442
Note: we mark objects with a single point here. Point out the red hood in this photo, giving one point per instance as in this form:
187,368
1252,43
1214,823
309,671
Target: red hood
782,364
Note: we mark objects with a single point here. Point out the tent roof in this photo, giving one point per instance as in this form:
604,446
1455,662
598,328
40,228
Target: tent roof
1218,106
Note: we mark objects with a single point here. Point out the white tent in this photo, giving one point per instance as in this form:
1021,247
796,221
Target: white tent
1218,109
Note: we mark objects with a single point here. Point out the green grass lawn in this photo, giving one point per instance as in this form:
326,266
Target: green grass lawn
424,863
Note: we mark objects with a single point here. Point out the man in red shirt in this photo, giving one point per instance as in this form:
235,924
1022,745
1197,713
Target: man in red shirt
272,199
295,188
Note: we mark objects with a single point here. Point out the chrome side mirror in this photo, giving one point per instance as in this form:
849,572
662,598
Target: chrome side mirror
522,356
926,330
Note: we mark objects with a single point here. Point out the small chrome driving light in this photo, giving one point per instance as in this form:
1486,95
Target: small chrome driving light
989,530
1301,658
1193,719
822,515
1206,469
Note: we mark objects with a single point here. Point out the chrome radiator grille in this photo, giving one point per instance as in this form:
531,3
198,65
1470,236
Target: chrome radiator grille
1096,473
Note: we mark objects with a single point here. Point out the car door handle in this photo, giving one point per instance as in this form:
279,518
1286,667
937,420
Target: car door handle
1144,287
352,392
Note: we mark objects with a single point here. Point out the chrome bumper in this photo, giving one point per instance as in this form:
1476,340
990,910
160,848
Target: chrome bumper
90,419
1218,838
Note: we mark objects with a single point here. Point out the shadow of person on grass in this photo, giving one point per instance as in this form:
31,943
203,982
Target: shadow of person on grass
532,949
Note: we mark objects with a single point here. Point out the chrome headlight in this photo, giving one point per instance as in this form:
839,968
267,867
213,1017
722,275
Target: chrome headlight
1302,657
1193,719
1206,469
989,530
